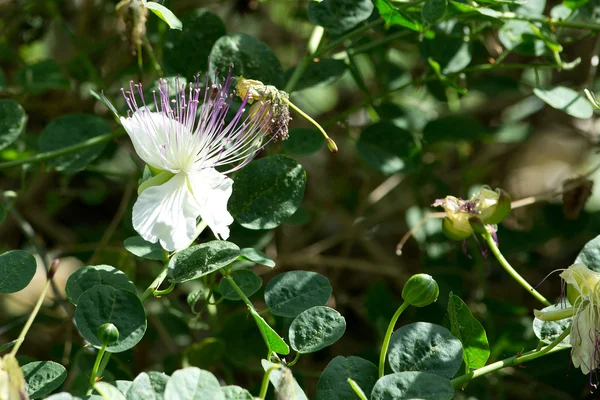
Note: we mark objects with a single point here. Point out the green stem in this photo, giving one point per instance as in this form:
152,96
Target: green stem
313,43
294,361
65,150
361,395
551,22
95,369
347,36
511,271
32,316
315,123
166,291
239,291
104,363
265,381
388,335
152,56
155,284
512,361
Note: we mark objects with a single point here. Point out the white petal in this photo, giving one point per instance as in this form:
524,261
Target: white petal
212,190
167,213
158,139
584,340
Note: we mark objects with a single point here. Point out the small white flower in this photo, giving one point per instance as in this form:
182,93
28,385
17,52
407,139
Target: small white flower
583,291
183,142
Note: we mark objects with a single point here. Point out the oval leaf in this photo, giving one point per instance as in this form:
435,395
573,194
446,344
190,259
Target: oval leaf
165,14
412,385
202,259
102,304
291,293
434,10
250,58
385,147
70,130
108,391
273,341
136,245
565,99
233,392
590,255
17,268
333,383
193,384
303,141
315,329
12,122
256,256
267,191
148,386
425,347
43,377
338,16
248,281
200,31
469,331
87,277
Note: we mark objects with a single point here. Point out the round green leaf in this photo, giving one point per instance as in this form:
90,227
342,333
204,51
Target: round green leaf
293,292
41,77
63,396
102,304
87,277
136,245
303,141
202,259
338,16
108,391
12,122
590,255
315,329
323,72
476,349
147,386
193,384
17,268
70,130
451,53
201,29
273,341
425,347
233,392
43,377
434,10
565,99
256,256
250,57
548,331
267,191
385,147
248,281
206,353
284,382
412,385
452,128
333,383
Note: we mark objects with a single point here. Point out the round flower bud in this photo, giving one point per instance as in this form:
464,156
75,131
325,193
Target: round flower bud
108,334
420,290
500,209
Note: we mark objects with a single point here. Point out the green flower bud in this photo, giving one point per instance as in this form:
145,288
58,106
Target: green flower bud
455,232
501,210
108,334
420,290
